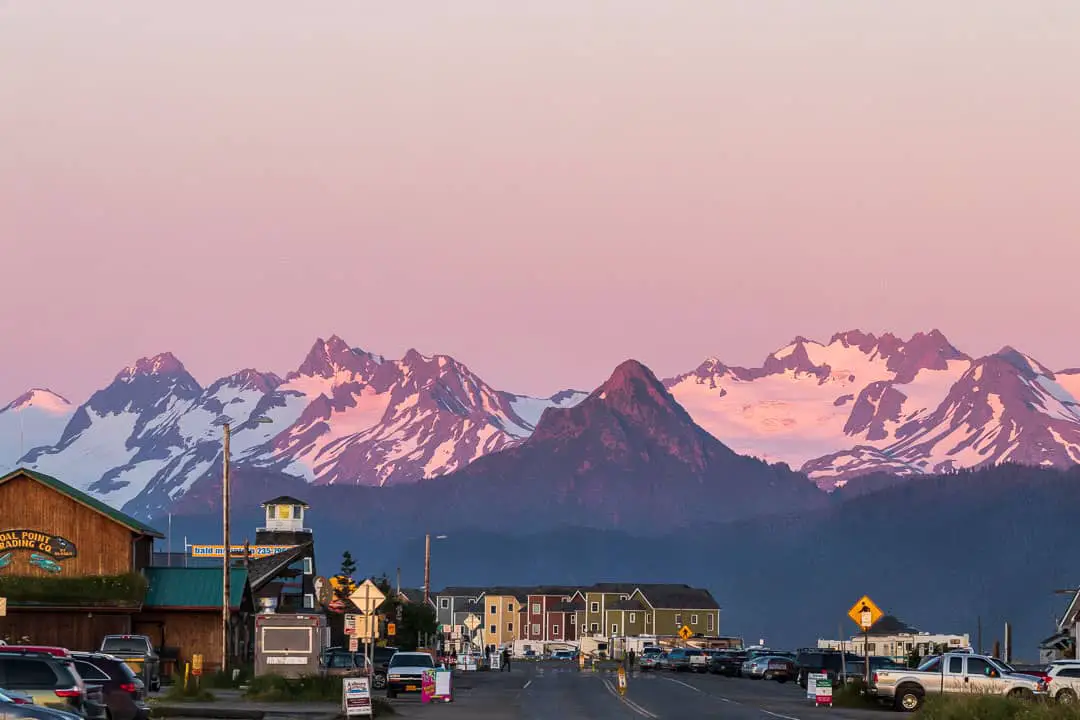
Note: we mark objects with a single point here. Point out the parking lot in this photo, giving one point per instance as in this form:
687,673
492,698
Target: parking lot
544,690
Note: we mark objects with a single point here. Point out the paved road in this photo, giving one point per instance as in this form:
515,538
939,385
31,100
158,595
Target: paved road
541,691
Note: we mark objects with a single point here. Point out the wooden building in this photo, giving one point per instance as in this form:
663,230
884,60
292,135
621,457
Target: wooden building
182,611
70,566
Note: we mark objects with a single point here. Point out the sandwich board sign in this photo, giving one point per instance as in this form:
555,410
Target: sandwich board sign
811,684
356,696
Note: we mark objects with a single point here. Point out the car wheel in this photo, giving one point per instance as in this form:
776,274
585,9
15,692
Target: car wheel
1066,697
909,698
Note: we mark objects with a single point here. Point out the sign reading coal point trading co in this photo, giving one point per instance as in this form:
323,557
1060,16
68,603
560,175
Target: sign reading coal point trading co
52,545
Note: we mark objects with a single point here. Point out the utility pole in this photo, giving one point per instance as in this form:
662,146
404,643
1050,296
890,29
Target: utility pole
227,551
399,583
427,568
978,634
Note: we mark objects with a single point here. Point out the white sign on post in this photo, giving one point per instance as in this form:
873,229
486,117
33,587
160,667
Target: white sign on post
356,696
811,684
350,624
354,644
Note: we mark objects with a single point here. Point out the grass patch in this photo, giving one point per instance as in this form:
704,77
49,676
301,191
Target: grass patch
994,707
128,589
224,680
192,693
853,695
309,688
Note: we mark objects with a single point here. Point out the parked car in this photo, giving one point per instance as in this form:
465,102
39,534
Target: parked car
728,663
139,654
650,657
771,667
563,655
124,693
19,706
832,663
405,672
50,680
952,673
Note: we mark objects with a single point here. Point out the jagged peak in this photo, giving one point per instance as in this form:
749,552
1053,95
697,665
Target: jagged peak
1022,361
250,378
328,356
42,398
627,372
161,364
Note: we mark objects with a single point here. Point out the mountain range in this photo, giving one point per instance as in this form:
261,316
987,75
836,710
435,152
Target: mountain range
856,406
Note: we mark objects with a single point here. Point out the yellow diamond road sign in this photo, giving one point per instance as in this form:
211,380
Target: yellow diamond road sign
865,613
685,632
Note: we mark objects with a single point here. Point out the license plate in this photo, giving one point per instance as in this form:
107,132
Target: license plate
410,688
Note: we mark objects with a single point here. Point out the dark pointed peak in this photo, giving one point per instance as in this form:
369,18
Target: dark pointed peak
1028,366
162,364
626,374
42,398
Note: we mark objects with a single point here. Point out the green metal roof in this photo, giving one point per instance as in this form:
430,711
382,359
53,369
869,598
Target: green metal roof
81,497
180,587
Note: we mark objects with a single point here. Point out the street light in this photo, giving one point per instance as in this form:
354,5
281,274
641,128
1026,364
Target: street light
226,424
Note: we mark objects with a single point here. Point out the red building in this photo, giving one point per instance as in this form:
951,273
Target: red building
550,614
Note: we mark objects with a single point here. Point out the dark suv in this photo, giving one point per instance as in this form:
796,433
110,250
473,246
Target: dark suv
831,663
124,693
50,680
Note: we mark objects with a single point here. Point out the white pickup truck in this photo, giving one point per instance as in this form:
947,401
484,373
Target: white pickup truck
952,673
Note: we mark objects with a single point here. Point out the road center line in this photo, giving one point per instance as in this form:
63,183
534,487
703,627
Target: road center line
777,715
686,685
526,686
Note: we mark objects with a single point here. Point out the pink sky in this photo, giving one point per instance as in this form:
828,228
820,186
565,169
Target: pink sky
540,189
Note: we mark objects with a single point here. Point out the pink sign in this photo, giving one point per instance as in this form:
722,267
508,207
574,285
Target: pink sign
427,686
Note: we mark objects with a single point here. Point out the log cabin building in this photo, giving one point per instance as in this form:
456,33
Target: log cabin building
74,569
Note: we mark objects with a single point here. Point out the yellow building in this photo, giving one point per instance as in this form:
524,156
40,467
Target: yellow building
501,618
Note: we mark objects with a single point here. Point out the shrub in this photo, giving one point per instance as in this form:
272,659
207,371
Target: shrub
194,692
853,695
994,707
128,589
309,688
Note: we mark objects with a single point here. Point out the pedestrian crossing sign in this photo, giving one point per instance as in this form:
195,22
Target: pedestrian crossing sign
685,632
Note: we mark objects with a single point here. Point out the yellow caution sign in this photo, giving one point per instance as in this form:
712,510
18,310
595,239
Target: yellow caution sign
622,680
865,613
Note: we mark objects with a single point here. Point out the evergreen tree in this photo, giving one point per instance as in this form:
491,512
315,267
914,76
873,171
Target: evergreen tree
348,565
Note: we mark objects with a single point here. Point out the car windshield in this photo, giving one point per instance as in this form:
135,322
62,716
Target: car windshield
123,645
412,660
1001,665
651,651
931,664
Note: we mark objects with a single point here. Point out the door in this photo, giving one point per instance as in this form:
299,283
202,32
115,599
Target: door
978,677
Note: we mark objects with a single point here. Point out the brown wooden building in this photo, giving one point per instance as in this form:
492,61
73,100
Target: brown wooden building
70,565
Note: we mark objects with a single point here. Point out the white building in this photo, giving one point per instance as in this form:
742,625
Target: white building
894,639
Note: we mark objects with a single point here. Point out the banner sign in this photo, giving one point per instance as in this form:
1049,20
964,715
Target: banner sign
237,551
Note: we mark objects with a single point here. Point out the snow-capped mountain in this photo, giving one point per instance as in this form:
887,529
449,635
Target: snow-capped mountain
343,416
35,418
862,404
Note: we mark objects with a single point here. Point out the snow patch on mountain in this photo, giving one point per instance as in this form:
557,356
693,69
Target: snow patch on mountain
34,419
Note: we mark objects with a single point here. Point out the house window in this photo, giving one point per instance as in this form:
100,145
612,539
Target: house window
509,627
566,599
648,618
623,597
296,512
594,607
573,619
693,619
633,618
510,607
593,628
871,648
492,630
678,619
309,601
536,628
494,609
536,608
712,622
614,629
554,629
308,566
